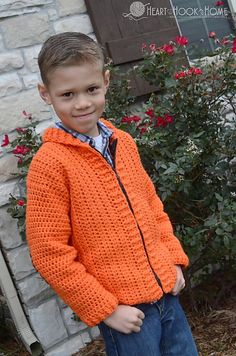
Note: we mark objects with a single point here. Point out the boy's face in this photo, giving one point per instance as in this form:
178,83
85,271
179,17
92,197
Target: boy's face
77,94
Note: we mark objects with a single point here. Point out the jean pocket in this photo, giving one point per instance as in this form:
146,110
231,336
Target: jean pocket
109,339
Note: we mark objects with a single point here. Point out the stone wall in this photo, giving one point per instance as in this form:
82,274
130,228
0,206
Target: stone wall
24,25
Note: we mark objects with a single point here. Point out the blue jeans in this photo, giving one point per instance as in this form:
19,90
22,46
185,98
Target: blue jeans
165,332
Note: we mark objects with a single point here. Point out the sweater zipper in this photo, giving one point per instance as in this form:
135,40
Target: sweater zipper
130,206
140,231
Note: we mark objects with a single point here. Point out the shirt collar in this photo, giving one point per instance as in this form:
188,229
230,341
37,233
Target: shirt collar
104,131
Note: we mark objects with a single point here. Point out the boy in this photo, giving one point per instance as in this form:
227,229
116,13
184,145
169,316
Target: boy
96,229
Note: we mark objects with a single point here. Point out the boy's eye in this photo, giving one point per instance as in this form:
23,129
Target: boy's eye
68,94
93,89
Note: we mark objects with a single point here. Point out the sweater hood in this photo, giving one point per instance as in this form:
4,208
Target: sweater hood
57,135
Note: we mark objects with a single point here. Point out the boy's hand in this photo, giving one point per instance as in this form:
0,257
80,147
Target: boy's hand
125,319
180,281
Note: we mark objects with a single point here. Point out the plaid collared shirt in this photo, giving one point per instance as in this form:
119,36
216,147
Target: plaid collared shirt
104,131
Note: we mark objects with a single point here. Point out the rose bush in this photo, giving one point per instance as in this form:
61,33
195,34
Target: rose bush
186,134
24,147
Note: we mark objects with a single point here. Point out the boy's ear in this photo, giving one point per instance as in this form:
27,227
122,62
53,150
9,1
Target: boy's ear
43,92
107,79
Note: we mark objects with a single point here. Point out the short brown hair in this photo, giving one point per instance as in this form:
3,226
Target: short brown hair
68,48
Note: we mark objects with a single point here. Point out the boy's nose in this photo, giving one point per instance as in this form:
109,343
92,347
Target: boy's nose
82,103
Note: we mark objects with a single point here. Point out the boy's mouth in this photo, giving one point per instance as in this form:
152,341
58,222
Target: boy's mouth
82,116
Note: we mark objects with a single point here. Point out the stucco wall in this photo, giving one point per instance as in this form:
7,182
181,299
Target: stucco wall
24,25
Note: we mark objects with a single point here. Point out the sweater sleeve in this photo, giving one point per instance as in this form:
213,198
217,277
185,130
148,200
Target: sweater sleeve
48,231
167,235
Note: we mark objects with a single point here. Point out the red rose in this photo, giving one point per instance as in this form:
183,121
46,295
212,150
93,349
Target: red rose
168,48
233,49
224,41
219,3
135,118
195,71
181,40
150,112
152,47
190,71
143,130
144,46
129,119
5,141
179,75
160,122
143,127
212,34
21,202
125,119
168,118
20,130
21,150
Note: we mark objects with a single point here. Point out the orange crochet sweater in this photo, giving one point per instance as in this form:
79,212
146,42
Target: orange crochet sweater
99,237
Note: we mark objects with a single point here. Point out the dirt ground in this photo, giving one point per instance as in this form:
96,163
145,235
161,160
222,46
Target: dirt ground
214,330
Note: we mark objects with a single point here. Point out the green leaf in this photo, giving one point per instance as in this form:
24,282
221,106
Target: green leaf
211,221
219,231
171,169
226,241
218,197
